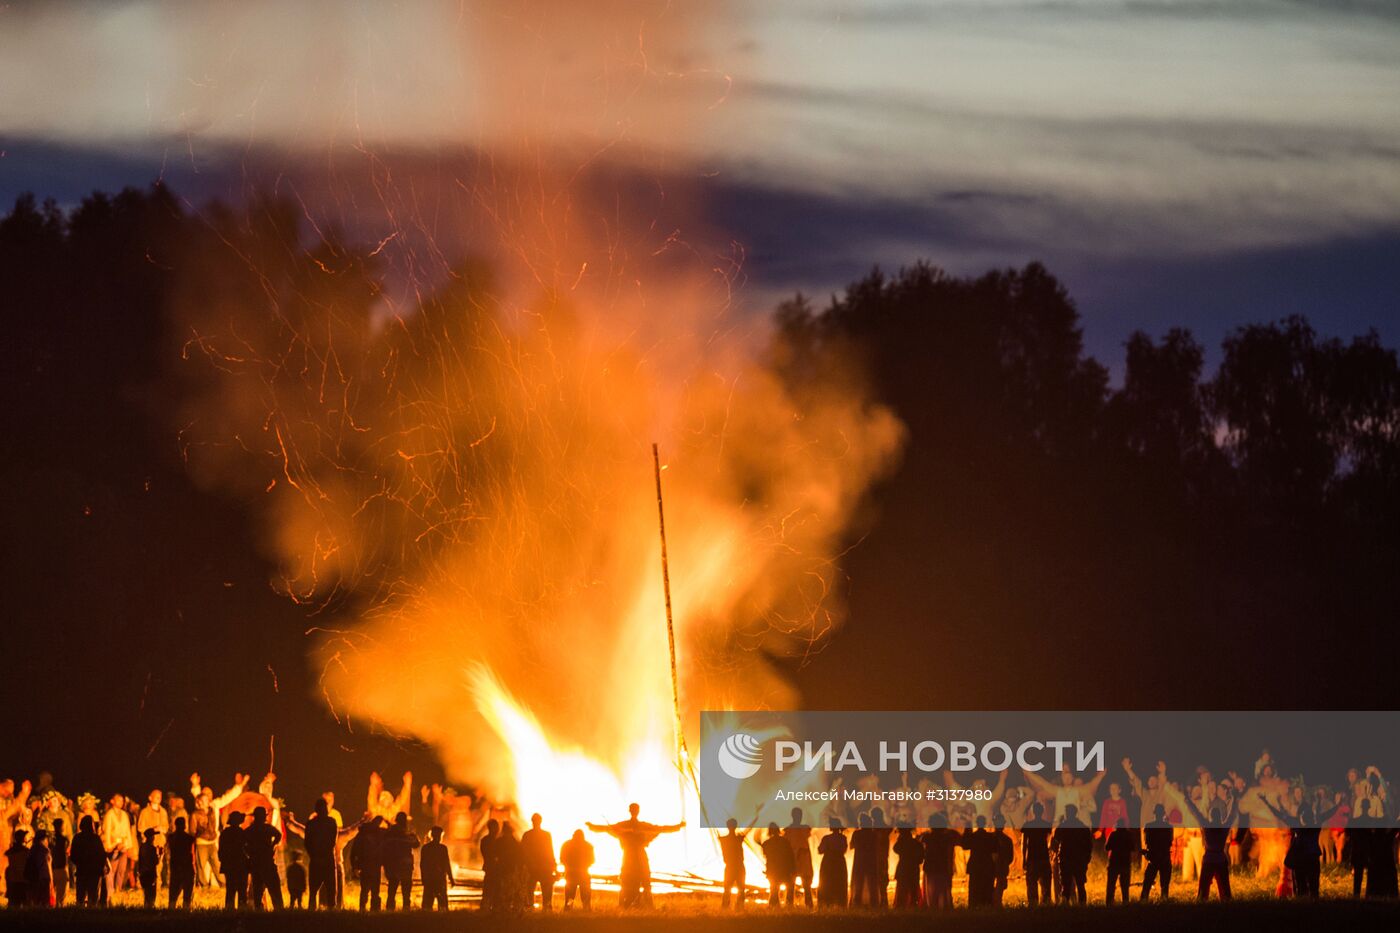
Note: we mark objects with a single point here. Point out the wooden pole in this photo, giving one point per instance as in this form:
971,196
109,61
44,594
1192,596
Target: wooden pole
681,753
685,769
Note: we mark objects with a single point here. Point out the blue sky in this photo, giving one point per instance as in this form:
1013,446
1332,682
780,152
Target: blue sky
1196,162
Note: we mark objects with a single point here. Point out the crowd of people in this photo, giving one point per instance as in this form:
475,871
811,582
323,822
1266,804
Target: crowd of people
248,845
1200,830
244,843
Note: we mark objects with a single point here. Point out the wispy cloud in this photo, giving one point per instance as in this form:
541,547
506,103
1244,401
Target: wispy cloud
903,13
835,133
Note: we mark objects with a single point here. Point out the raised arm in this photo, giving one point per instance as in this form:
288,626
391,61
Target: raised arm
999,789
1133,781
1092,787
1283,816
432,797
406,794
1185,800
1041,785
949,781
240,781
753,823
1382,788
376,784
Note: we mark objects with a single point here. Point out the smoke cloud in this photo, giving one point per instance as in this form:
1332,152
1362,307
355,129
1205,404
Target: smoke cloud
456,477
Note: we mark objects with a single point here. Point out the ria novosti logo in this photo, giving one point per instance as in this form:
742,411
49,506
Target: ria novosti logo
740,756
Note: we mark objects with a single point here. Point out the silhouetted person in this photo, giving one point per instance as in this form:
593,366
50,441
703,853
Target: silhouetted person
179,850
322,836
981,849
89,863
398,845
537,849
883,831
1157,837
1005,856
576,855
15,857
1381,878
1120,846
367,858
778,865
1074,844
511,863
940,849
863,868
634,836
1358,844
233,862
1215,835
831,889
38,871
907,868
1035,856
260,841
296,881
731,849
58,848
148,866
799,836
490,867
435,869
1304,856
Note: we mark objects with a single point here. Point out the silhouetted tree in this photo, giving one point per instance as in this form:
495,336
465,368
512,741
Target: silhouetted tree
1039,516
115,564
1159,418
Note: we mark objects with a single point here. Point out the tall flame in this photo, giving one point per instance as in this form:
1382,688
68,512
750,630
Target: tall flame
575,788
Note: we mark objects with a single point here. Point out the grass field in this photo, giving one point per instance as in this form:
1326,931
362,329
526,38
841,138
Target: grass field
1255,907
1241,916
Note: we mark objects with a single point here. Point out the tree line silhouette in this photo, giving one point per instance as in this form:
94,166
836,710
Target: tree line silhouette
1228,538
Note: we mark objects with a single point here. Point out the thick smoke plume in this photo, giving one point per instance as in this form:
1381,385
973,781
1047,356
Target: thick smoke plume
453,459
